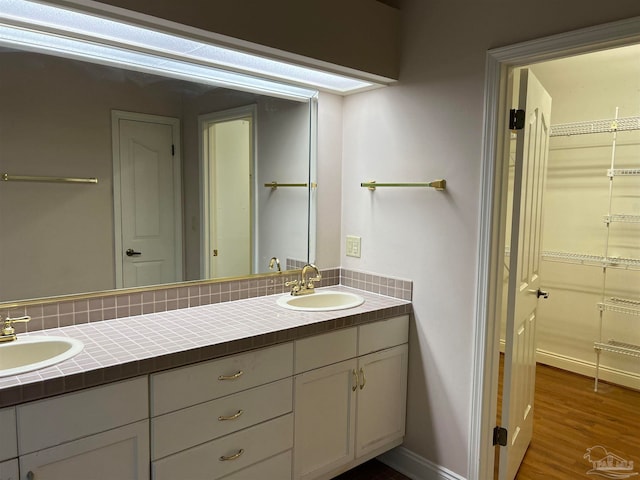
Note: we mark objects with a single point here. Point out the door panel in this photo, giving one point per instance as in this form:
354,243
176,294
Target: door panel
382,399
325,415
532,149
121,453
149,204
230,142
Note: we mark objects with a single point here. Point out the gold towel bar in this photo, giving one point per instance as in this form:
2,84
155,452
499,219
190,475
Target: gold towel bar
437,184
275,185
29,178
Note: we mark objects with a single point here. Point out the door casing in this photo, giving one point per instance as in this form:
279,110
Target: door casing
493,201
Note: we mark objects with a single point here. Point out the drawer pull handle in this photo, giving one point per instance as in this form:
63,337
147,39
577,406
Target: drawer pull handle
364,379
235,456
222,418
235,376
30,475
355,380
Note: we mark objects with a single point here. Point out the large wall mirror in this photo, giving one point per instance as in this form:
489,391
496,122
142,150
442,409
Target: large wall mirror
189,178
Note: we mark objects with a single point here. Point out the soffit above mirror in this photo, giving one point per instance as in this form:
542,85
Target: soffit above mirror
74,34
332,35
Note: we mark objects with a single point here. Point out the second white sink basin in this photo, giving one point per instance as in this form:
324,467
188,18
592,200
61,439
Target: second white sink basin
321,301
29,353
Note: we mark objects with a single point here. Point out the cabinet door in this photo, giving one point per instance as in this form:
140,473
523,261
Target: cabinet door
324,419
382,398
122,453
8,436
9,470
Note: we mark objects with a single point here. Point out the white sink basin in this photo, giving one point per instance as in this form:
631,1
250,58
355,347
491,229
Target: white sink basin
321,301
29,353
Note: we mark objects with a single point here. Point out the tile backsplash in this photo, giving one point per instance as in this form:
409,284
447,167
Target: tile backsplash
61,313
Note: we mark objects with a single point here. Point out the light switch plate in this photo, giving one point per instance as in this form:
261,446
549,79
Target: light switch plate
353,246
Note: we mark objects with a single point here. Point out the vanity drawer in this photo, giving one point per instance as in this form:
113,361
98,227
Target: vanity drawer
278,467
228,454
50,422
320,350
8,440
383,334
201,423
186,386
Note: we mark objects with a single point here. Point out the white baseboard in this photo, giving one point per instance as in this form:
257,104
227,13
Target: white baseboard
582,367
608,374
416,467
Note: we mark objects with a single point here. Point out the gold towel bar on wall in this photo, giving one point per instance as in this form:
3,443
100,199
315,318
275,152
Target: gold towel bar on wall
437,184
275,185
30,178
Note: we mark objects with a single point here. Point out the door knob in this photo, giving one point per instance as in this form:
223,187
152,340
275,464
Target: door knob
132,253
540,293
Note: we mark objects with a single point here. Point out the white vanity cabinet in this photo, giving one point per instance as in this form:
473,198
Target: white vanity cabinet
224,418
8,445
100,433
350,397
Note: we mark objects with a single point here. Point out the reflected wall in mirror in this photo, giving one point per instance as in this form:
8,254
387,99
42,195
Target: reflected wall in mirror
65,118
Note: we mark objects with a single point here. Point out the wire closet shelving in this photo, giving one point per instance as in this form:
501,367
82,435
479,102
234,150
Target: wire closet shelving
608,304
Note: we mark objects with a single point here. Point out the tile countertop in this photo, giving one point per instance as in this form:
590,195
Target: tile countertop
139,345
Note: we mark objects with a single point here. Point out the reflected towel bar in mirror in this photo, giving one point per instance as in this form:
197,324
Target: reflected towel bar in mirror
275,185
437,184
29,178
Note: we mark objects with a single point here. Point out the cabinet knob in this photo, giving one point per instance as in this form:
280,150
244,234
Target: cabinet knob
355,380
30,475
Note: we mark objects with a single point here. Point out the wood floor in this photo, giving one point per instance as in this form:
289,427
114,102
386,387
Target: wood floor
372,470
569,418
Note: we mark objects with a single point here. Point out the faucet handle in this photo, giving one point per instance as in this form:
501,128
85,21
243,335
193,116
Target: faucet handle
295,284
7,327
312,280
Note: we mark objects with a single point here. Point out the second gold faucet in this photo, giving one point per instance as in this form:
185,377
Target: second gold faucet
306,284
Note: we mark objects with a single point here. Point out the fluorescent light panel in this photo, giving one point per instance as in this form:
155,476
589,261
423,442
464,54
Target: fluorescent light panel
84,36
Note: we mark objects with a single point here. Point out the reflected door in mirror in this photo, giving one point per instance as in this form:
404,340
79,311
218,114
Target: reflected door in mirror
149,222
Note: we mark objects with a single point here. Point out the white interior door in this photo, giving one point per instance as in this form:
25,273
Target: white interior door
148,200
532,147
231,208
227,171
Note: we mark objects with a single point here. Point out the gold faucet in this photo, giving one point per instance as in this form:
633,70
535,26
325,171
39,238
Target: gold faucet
305,285
8,333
